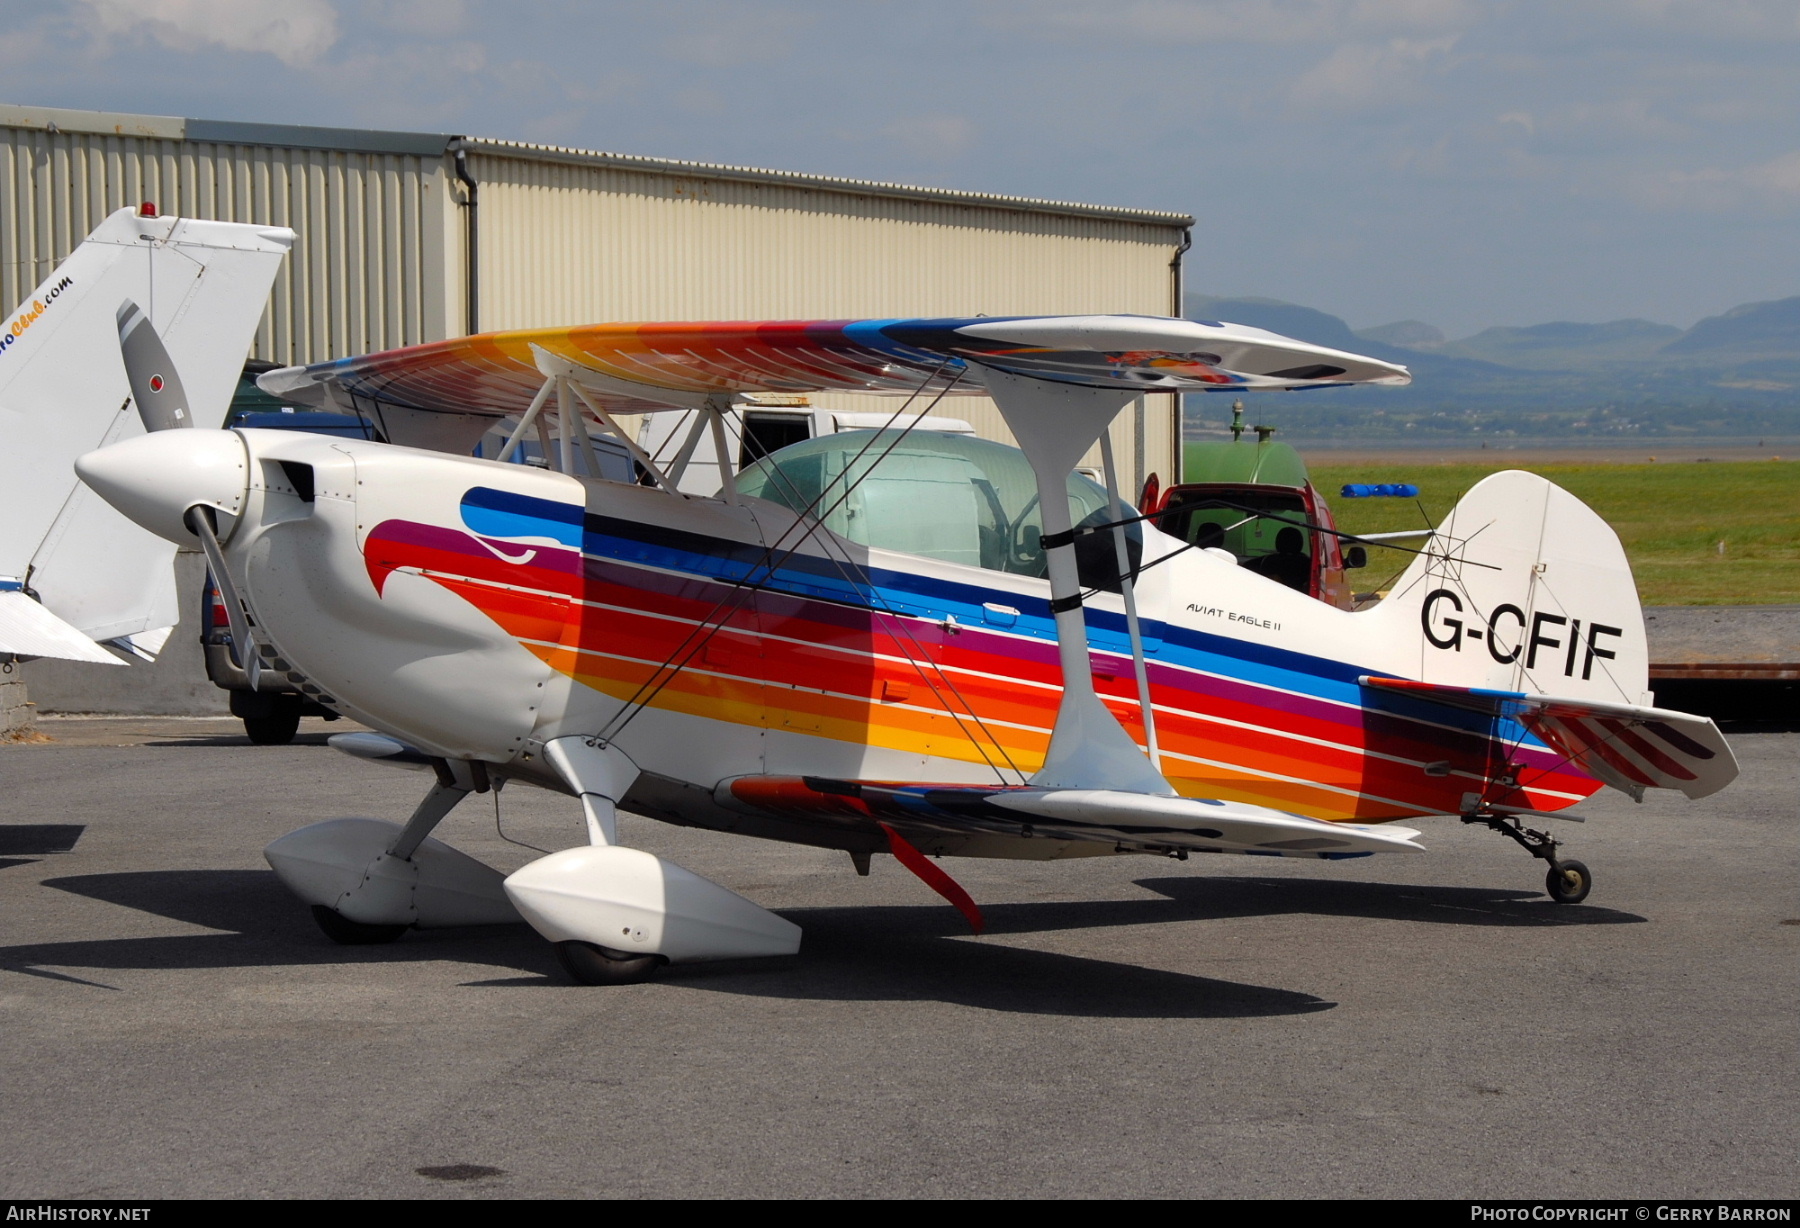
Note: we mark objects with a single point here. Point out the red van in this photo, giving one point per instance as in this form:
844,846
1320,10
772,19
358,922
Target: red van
1255,500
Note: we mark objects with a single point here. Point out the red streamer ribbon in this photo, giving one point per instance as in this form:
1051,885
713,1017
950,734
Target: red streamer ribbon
932,876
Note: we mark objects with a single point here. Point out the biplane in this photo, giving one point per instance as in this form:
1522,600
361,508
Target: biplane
883,641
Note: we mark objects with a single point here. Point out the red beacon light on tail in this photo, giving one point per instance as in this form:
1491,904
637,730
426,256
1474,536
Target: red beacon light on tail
147,209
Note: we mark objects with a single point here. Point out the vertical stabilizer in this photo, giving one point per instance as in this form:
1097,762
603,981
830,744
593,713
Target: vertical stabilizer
179,297
1523,588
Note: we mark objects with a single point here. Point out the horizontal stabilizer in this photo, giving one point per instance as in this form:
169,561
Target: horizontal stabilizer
1628,746
27,629
1134,820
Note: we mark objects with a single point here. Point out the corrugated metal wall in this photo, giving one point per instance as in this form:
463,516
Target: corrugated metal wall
380,259
366,274
564,243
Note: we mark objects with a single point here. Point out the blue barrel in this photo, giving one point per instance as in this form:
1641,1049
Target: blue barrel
1380,490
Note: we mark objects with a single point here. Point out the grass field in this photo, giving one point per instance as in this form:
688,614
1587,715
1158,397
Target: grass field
1671,517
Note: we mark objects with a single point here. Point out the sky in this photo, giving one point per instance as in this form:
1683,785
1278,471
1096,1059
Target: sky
1468,163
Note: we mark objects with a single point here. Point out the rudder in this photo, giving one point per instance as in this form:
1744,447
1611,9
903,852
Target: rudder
1522,588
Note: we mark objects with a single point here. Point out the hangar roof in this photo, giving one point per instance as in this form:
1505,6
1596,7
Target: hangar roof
364,140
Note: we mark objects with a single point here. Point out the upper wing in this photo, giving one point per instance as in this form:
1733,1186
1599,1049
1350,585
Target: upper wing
498,374
1627,746
1135,820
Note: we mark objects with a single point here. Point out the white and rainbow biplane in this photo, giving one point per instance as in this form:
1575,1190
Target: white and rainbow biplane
881,641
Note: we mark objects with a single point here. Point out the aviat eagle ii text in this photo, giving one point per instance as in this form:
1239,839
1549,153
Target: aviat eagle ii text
881,641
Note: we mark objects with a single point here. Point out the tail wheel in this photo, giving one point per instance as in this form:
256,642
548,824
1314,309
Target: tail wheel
588,964
342,930
1568,882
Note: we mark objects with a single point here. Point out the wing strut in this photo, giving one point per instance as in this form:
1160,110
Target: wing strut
568,377
1055,423
1128,590
528,419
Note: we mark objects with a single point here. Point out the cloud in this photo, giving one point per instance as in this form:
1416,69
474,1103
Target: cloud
1773,185
1607,127
933,137
1780,176
1712,20
721,35
1371,74
1241,21
701,100
421,18
296,32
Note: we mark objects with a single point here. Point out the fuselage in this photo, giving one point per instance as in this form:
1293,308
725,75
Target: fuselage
478,610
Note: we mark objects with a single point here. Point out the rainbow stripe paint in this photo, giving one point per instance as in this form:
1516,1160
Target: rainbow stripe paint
498,373
864,655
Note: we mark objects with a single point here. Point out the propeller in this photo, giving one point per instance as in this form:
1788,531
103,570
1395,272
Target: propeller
155,385
163,405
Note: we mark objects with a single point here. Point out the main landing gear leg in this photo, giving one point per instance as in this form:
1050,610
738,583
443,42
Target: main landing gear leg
601,777
616,914
1568,881
450,789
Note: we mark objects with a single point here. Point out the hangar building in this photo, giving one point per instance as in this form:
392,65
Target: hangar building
408,237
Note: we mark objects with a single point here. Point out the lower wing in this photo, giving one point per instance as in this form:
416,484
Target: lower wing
1132,820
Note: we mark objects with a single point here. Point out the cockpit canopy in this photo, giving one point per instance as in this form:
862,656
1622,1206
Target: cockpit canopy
951,497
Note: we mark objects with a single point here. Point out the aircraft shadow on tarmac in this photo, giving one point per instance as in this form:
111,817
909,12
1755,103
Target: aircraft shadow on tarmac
1213,898
877,953
38,839
921,951
235,739
263,926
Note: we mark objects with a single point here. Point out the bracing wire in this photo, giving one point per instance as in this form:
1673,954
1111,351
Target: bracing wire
767,565
847,568
736,587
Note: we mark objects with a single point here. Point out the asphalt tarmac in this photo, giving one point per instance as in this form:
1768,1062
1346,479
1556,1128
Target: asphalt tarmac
1430,1026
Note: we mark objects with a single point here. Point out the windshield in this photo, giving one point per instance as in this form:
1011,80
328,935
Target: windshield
950,497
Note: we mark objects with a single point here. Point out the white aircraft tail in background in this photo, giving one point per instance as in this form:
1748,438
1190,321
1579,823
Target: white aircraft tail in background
175,300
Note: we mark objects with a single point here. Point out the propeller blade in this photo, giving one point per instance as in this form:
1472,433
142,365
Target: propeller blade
155,385
199,519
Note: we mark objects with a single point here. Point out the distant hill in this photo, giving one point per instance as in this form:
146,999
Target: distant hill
1770,330
1288,319
1320,328
1731,375
1410,334
1564,346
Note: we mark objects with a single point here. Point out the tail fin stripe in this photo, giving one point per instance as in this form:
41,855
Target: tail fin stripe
1679,740
1582,743
1656,758
1620,761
